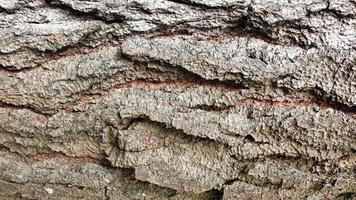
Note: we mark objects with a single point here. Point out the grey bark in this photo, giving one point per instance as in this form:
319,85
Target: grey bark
177,99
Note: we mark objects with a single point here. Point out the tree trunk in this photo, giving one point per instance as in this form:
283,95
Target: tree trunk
177,99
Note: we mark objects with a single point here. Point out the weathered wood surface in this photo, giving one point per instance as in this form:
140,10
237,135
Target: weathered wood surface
177,99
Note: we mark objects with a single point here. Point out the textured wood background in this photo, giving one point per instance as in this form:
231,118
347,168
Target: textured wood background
177,99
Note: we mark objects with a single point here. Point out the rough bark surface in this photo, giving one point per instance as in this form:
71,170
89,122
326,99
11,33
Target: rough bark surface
177,99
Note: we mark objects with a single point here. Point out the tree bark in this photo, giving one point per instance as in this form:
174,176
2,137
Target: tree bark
177,99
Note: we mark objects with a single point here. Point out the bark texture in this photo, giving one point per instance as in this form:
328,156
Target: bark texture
177,99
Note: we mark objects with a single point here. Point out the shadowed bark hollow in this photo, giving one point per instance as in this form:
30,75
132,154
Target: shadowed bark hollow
177,99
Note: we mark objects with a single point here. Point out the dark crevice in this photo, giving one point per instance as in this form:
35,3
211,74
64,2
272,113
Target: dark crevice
170,32
215,195
94,14
106,163
79,48
318,186
166,128
249,138
322,99
346,196
132,121
139,7
231,181
337,14
193,76
106,195
260,29
325,99
215,108
7,11
204,6
14,69
27,107
242,22
245,28
169,128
